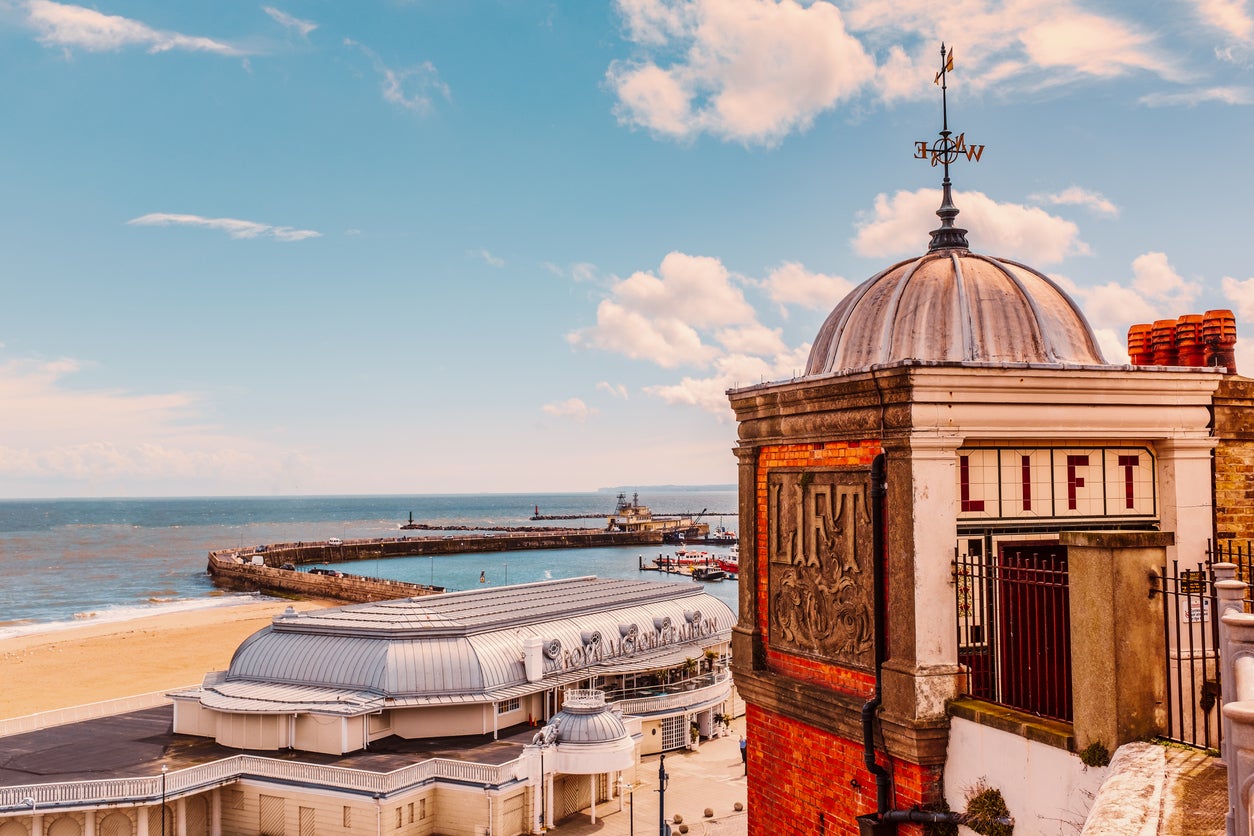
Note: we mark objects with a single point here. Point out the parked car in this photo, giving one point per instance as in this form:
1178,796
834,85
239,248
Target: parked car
335,541
291,567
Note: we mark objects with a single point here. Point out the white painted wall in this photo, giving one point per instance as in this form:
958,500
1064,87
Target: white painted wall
1047,790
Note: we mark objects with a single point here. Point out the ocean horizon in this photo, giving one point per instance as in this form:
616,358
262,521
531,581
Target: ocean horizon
66,562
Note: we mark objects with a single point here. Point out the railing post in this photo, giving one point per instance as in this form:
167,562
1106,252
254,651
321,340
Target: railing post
1230,596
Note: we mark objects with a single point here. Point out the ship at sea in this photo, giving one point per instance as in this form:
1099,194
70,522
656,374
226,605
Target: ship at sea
632,516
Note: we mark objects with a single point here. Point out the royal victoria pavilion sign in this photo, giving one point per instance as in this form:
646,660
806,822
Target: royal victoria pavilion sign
596,647
1055,483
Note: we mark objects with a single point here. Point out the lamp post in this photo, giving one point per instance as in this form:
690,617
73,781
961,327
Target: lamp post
662,779
164,770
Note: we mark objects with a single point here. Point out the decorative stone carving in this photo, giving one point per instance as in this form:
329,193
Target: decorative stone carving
819,542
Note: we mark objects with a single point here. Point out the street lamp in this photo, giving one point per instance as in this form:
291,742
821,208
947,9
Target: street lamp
164,770
662,780
631,803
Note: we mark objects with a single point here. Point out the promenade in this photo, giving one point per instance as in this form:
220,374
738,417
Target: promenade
712,777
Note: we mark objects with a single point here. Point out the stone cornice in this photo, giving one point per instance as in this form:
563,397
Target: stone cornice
841,715
958,402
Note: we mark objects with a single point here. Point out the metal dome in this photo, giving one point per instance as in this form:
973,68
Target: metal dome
586,719
954,306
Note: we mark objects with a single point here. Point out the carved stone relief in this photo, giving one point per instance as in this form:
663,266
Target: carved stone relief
819,549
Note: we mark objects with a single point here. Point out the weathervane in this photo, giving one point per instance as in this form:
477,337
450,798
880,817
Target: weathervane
945,151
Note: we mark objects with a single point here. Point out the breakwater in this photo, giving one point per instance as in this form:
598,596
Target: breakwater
275,568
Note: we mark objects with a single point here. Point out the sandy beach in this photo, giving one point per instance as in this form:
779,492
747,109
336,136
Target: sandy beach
104,661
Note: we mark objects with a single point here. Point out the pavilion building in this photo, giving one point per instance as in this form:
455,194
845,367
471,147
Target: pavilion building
604,670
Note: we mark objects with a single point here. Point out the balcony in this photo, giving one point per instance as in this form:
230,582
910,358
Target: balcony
692,694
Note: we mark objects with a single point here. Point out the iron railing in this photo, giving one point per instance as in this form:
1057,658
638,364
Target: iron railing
1014,627
1191,637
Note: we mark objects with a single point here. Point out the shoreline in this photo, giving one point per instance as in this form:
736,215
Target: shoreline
94,661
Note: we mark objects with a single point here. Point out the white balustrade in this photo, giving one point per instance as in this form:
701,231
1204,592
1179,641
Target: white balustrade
193,779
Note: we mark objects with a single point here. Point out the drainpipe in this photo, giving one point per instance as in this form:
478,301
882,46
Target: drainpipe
874,824
883,822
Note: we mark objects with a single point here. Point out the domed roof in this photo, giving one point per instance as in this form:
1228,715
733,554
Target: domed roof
586,719
954,306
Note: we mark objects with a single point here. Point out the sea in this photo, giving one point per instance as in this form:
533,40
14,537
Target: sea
66,562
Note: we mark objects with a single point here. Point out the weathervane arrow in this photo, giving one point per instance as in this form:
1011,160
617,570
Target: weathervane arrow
946,150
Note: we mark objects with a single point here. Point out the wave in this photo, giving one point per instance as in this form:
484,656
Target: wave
108,615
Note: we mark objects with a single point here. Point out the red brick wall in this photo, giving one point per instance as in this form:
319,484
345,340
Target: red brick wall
797,773
820,456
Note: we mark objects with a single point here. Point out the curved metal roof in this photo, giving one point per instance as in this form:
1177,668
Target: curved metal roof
953,305
585,719
462,646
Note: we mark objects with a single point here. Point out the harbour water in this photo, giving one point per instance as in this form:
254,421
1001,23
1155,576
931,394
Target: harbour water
63,562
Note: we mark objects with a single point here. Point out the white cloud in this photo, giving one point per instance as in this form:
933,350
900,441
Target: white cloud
899,226
791,284
731,371
1191,98
752,339
658,317
232,226
583,272
573,408
490,259
1113,306
412,88
302,27
695,289
57,432
580,271
70,26
1153,276
616,390
754,71
748,70
1076,196
668,342
692,313
1154,291
1088,44
1240,292
1229,16
1025,44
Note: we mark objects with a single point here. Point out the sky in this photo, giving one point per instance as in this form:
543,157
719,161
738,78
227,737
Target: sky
461,246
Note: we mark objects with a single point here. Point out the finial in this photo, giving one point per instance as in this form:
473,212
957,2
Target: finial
945,151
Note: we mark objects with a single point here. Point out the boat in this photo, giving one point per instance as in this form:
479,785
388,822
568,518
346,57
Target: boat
683,561
708,573
630,515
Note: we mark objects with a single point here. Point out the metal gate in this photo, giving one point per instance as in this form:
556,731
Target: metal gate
1014,627
674,733
1191,633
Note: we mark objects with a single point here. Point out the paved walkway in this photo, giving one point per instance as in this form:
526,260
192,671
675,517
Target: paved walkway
710,778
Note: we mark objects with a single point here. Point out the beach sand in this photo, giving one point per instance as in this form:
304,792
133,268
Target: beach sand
95,662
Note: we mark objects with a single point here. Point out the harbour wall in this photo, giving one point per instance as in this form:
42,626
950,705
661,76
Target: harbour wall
258,569
286,583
